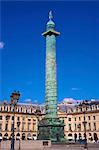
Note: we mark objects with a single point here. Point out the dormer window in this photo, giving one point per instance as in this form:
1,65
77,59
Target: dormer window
21,109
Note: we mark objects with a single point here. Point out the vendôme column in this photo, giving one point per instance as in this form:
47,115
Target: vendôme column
51,79
51,127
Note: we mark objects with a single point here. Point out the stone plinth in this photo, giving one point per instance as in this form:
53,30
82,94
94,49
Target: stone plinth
51,129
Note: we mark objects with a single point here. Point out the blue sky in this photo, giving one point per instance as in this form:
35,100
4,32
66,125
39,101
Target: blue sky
23,54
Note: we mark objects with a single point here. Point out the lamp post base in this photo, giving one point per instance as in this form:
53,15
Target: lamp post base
12,144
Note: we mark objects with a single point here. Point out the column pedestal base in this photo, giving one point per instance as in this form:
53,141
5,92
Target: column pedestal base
51,129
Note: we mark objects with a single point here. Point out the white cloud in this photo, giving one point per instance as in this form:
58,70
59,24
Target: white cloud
28,100
71,101
1,45
93,100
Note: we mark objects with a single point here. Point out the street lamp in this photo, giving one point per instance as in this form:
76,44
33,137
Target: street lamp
84,104
14,100
18,124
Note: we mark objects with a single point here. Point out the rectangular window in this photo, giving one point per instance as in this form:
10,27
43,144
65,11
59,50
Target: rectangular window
80,109
29,126
75,118
79,118
69,127
89,126
94,117
94,126
18,118
79,127
23,118
75,126
88,117
6,127
0,126
10,108
0,117
18,126
89,134
7,117
86,108
69,119
12,117
23,126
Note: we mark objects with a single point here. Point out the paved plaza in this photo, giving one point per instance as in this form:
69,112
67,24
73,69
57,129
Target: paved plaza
63,147
68,147
72,147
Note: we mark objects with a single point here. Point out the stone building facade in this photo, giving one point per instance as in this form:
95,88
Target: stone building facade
26,121
28,115
75,117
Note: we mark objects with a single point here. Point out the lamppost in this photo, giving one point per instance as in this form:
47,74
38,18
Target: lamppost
14,100
84,104
18,124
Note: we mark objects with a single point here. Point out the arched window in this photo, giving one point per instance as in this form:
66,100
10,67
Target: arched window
23,136
85,135
70,137
80,136
0,136
95,137
75,135
69,134
34,137
6,136
29,136
17,136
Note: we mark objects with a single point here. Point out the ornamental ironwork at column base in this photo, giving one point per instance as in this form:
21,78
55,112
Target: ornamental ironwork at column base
51,129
